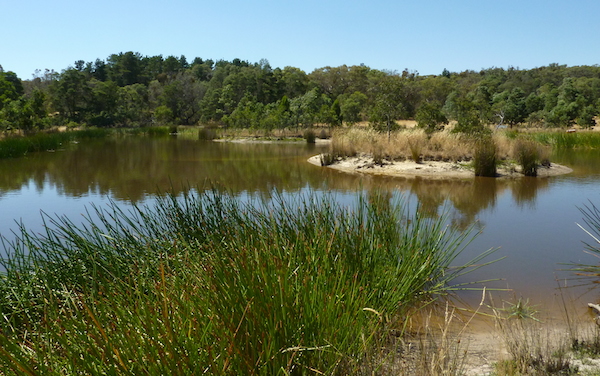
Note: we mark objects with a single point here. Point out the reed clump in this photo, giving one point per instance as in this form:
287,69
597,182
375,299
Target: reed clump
564,140
310,136
528,155
18,146
485,158
207,134
208,283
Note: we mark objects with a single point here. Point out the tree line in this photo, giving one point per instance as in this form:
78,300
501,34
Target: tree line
131,90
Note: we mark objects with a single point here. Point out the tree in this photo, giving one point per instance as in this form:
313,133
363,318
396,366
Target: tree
103,104
587,117
11,87
352,106
430,117
461,108
125,68
511,106
71,95
389,105
133,107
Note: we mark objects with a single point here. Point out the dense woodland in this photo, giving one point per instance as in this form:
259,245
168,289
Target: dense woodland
131,90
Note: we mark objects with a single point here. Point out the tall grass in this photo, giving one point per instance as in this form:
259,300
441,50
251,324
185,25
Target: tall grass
485,158
413,144
206,283
563,140
13,147
527,154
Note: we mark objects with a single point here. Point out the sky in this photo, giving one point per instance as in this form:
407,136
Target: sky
424,36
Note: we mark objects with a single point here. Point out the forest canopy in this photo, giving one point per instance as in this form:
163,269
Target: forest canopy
132,90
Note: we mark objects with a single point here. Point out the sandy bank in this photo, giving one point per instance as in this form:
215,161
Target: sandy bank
429,169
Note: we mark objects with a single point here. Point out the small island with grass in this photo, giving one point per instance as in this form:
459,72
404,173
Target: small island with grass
415,153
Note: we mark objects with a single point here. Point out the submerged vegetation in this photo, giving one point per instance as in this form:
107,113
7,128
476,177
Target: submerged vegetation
208,283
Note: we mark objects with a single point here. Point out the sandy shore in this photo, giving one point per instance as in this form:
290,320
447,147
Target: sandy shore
429,169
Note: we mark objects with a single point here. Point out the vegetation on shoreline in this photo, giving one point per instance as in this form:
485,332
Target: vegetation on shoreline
484,151
131,90
209,283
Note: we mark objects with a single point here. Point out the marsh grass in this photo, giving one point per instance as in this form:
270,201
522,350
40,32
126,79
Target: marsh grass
207,283
19,146
207,134
528,156
485,157
563,140
415,144
310,136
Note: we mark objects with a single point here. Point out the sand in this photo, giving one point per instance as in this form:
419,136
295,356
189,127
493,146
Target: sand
429,169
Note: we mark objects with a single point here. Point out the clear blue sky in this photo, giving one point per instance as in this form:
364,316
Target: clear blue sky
421,35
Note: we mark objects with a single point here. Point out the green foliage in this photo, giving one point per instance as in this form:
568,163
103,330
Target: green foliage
389,104
430,117
127,89
352,107
564,140
511,106
206,283
14,147
587,117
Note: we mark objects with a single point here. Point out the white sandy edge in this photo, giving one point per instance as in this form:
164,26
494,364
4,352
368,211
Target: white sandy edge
427,169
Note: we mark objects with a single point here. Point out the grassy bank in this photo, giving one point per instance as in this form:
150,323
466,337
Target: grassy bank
563,140
19,146
206,283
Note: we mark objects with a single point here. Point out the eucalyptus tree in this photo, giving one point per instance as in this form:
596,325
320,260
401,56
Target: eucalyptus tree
352,106
510,106
389,103
430,117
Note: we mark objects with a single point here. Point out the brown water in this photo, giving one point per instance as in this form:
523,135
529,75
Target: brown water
533,221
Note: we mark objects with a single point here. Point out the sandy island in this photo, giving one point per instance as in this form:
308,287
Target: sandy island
429,169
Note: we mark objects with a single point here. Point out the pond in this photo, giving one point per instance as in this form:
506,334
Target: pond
533,221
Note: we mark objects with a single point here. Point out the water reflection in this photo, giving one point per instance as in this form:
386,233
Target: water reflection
132,169
532,219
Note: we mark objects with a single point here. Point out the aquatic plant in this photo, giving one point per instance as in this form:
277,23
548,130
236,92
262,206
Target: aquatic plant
209,283
527,154
485,158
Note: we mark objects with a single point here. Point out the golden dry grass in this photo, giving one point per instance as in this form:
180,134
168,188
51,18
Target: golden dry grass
413,144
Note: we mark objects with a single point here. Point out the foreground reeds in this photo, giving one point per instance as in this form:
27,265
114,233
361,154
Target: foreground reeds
208,283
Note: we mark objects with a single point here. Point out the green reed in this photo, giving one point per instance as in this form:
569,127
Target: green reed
564,140
207,283
485,157
19,146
